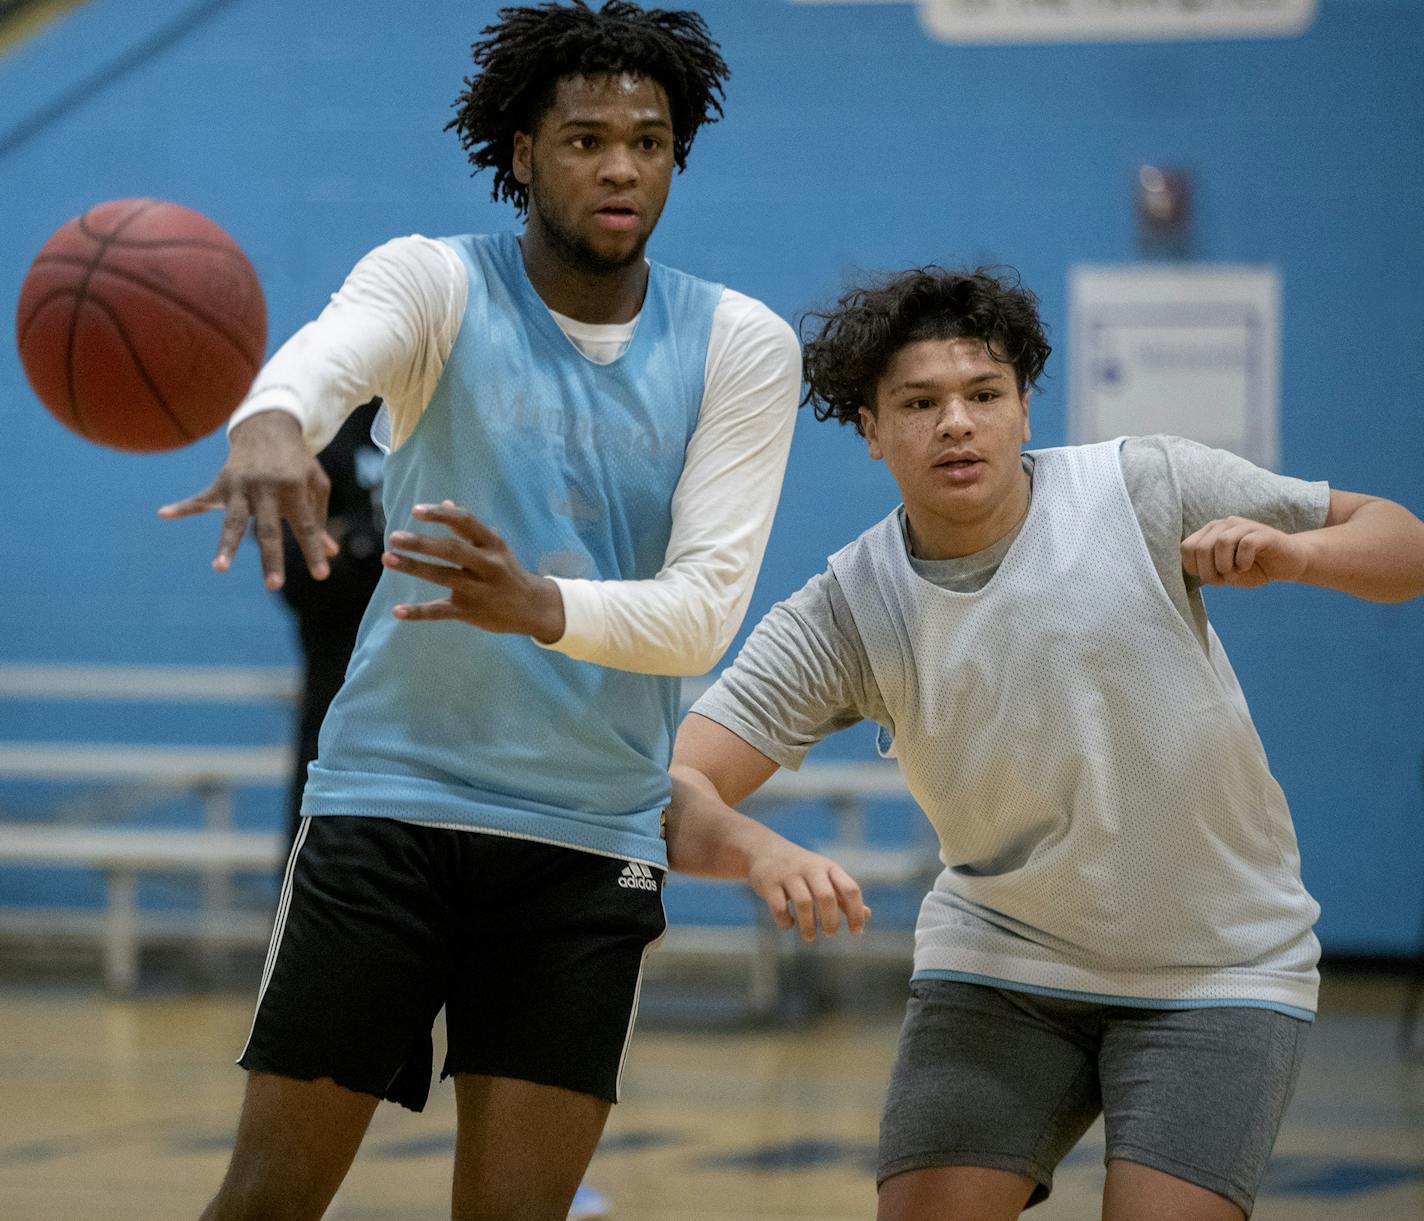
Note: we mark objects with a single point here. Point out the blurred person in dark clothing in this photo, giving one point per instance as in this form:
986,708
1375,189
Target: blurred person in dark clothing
329,612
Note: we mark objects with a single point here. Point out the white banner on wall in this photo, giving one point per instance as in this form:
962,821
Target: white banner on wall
1008,21
1193,352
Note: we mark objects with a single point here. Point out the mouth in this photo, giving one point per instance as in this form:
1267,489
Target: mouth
618,217
958,471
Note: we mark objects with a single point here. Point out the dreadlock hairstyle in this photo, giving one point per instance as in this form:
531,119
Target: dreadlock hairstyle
530,48
860,335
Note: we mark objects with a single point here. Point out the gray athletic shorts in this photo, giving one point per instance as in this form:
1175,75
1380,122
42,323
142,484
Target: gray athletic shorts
1010,1080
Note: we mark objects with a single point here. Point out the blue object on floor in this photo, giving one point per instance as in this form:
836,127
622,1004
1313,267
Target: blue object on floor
589,1205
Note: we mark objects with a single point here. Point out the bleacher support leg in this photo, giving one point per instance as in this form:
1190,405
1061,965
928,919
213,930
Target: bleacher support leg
121,933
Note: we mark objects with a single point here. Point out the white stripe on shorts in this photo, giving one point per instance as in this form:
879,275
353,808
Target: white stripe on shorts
633,1013
278,927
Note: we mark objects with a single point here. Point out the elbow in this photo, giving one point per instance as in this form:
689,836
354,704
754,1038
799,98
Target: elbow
714,648
692,656
675,663
706,642
1389,590
684,665
1395,596
1408,580
705,660
681,630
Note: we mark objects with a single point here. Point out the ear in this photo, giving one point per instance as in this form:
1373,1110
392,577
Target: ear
872,440
1027,431
523,160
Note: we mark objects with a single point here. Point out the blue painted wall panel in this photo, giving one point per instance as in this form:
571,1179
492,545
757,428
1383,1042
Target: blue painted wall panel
852,140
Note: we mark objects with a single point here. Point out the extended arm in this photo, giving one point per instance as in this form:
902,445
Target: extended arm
713,768
1368,547
388,331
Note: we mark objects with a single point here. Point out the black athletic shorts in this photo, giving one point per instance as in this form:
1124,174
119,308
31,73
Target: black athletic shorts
535,951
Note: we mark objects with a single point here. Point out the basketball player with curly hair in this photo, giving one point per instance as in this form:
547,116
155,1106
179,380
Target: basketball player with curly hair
585,450
1120,927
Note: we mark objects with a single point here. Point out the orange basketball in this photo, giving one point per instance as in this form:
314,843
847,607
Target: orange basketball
141,325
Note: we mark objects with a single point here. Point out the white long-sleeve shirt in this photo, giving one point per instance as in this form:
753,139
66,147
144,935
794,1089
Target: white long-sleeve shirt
389,331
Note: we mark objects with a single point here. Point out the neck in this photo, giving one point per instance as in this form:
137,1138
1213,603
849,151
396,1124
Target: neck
587,294
935,538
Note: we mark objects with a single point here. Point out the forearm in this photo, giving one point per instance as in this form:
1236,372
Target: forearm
678,623
1376,553
705,836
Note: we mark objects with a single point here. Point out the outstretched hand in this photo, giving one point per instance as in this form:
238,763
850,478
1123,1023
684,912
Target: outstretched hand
489,587
1238,551
270,476
804,889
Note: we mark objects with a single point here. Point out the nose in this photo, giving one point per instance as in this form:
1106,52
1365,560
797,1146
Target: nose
618,167
955,421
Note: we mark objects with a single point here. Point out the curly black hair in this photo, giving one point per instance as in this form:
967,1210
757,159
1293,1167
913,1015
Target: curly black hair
860,334
531,48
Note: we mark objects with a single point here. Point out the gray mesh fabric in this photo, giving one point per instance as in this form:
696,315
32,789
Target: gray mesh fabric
1105,812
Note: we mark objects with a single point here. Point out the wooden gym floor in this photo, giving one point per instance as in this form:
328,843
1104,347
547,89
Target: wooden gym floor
125,1109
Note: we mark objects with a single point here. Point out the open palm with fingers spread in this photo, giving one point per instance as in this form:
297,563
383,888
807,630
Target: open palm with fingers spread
489,587
270,476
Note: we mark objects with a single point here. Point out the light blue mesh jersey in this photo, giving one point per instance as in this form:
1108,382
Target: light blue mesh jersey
575,465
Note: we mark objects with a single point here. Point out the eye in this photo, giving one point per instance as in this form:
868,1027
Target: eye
920,404
585,143
986,396
651,144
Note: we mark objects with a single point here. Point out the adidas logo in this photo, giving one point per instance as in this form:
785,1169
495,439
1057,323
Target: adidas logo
637,876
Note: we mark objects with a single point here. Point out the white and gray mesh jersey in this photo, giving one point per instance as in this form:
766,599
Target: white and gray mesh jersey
1105,812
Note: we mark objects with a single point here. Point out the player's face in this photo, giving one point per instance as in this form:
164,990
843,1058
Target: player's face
950,424
598,168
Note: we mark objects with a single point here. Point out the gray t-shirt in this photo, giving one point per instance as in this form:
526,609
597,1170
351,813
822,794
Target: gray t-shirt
803,673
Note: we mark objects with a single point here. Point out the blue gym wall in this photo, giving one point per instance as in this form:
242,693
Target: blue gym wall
312,131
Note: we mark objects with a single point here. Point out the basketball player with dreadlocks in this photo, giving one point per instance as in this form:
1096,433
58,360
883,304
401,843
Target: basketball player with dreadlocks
584,453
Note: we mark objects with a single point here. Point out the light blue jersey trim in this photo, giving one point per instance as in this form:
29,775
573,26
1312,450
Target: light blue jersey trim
1129,1002
563,828
656,861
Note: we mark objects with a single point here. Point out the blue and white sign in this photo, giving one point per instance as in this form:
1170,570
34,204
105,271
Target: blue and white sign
1014,21
1194,352
1008,21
